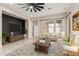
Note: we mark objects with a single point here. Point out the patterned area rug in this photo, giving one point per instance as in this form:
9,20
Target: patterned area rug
28,50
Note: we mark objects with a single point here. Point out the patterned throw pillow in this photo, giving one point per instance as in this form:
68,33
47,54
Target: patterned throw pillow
72,41
66,38
44,36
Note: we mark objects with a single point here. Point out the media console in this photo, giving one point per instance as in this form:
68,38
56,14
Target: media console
10,39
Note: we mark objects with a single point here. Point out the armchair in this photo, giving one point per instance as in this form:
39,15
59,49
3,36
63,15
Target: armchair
71,48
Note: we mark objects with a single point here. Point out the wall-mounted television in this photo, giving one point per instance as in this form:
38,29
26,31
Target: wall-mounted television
14,27
12,24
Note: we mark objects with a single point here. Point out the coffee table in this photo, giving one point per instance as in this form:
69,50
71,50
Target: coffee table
42,46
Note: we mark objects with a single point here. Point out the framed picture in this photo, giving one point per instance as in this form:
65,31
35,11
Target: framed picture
75,22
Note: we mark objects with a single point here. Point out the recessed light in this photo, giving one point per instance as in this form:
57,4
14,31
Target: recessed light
49,8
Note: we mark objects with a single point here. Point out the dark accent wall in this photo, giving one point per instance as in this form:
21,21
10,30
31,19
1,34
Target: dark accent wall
7,20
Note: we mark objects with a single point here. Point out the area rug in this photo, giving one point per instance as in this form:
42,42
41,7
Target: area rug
28,50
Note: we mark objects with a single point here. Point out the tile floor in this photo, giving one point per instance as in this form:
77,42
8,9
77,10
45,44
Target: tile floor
10,47
26,48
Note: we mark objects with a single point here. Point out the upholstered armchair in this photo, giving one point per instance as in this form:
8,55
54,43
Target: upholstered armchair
72,48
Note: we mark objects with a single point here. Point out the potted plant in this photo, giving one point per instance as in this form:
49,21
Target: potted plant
3,37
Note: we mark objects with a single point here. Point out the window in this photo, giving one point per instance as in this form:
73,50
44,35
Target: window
58,28
51,28
54,27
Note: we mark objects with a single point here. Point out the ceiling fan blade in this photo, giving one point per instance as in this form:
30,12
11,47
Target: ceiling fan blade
39,4
34,9
31,10
26,9
38,9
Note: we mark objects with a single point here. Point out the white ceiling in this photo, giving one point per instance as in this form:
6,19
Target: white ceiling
56,8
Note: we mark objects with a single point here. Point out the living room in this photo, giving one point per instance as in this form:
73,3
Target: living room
49,21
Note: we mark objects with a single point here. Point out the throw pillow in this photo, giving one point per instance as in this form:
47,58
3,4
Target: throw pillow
72,41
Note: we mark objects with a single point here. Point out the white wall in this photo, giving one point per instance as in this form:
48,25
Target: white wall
30,26
12,11
51,17
0,27
73,10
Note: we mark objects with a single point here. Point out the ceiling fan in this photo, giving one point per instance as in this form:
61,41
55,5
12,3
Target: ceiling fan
33,6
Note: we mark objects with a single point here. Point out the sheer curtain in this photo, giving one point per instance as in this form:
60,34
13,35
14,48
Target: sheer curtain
44,27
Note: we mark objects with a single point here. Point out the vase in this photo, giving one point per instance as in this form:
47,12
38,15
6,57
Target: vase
25,35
